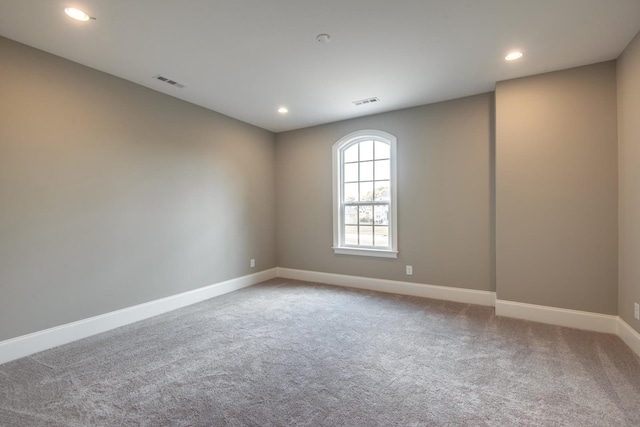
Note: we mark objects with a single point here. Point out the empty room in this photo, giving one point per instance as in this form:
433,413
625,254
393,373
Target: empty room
303,213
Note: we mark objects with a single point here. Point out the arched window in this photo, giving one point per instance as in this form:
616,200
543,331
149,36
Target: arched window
364,195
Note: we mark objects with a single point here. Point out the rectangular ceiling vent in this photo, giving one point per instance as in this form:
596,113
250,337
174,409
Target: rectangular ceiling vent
169,81
366,101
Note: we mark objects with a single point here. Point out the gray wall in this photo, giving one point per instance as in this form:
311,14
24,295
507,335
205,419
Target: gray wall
556,189
112,194
629,181
444,201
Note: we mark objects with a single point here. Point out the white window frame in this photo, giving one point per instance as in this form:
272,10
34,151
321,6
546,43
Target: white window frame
339,246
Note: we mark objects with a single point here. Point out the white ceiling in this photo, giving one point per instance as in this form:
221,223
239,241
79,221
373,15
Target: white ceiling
245,58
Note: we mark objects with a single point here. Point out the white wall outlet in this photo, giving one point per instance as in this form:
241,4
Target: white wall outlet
252,263
409,270
636,310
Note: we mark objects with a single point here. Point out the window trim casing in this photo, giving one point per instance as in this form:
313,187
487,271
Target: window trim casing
354,137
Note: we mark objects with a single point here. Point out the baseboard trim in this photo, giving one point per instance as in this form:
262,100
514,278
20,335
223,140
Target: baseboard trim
469,296
629,336
26,345
558,316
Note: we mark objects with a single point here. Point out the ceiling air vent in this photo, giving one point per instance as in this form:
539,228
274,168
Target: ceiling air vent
366,101
169,81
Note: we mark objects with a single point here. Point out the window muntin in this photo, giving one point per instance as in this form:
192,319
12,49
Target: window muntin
364,194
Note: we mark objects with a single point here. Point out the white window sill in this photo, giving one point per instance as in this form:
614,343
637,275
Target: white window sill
366,252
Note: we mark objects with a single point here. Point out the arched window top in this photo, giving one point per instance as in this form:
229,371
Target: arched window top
363,135
365,194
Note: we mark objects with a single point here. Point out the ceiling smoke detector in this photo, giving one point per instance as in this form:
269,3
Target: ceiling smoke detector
323,38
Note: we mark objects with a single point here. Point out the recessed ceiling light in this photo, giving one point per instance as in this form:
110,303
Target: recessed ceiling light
513,56
283,110
77,14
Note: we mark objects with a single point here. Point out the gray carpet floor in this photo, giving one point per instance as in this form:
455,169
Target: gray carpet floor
287,353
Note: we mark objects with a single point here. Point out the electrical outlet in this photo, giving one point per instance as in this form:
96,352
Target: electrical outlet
636,310
252,263
409,270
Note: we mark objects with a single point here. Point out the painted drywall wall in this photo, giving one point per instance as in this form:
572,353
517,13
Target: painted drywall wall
628,68
444,201
556,189
112,194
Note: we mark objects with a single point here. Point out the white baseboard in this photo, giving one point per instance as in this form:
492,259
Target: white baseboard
558,316
25,345
469,296
629,336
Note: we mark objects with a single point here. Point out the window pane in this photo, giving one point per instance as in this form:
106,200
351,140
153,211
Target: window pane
366,150
366,171
351,192
366,215
381,215
366,191
366,235
351,215
351,235
382,150
382,190
351,172
381,236
351,154
383,170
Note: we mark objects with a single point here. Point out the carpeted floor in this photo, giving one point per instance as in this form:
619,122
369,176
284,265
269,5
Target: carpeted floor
287,353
